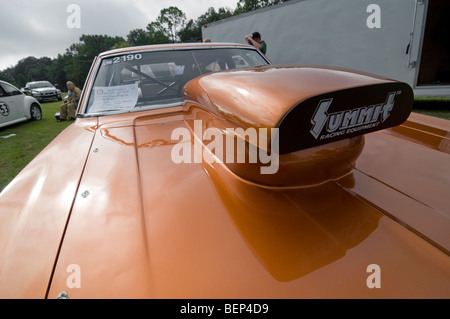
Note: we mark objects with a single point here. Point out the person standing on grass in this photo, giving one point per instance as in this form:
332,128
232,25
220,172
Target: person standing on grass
68,108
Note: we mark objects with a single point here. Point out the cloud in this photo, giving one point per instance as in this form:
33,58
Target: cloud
39,28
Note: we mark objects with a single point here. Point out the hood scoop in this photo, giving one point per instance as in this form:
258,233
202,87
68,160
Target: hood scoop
311,121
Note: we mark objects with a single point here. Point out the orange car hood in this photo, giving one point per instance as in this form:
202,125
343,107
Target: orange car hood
143,226
150,228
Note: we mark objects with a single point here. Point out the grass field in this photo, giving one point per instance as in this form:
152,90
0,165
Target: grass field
31,137
433,106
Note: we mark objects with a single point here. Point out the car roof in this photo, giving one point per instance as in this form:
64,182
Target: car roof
175,46
5,82
43,81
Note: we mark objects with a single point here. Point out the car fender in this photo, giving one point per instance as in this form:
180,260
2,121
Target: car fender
35,208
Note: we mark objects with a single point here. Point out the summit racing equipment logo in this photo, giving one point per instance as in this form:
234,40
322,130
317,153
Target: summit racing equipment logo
330,117
329,125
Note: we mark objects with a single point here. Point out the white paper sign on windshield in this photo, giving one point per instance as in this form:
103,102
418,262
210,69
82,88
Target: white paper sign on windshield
111,98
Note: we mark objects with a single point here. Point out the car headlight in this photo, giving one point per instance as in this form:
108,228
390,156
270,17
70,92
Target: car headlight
35,93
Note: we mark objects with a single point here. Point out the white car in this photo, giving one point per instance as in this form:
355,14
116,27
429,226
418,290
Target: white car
16,106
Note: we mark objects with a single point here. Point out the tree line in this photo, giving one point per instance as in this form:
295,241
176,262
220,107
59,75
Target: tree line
170,26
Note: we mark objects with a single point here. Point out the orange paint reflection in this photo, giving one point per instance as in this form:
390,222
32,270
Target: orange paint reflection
295,231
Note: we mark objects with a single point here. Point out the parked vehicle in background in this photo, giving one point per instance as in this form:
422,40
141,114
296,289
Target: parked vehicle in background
43,91
16,107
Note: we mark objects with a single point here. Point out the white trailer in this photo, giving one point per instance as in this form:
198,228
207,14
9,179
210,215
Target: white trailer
407,40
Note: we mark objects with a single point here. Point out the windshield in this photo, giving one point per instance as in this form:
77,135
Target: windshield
37,85
155,79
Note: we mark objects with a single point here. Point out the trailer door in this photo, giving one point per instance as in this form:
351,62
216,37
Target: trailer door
434,67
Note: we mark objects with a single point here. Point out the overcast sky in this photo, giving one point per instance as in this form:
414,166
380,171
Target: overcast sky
47,27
